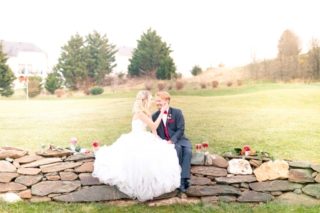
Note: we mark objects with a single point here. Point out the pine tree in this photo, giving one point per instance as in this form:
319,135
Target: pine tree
6,75
101,57
53,81
151,58
72,63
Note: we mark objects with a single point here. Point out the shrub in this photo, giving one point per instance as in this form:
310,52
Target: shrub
108,81
229,83
33,89
179,85
53,82
239,82
148,85
59,93
34,86
160,86
169,86
203,85
96,91
215,84
7,93
196,70
86,91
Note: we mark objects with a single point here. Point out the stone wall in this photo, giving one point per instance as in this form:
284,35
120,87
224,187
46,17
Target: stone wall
62,176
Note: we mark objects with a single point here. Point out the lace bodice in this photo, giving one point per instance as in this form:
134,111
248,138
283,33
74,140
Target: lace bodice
138,125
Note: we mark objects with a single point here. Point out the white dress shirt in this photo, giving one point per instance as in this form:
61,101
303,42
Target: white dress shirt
165,117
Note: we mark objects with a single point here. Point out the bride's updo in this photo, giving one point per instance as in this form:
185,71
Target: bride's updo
141,103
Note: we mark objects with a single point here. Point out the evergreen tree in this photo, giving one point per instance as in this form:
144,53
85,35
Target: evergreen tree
101,57
72,62
151,58
6,75
196,70
53,81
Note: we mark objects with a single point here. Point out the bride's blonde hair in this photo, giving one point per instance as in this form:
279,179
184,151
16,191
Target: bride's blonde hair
141,103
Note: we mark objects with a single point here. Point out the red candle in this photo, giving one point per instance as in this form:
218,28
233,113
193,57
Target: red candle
198,147
95,144
205,145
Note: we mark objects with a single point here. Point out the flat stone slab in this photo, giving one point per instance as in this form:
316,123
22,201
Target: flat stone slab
28,159
7,177
236,179
7,187
54,187
57,167
194,180
40,162
94,193
174,200
5,166
87,179
219,161
209,170
29,171
291,198
197,191
316,167
11,152
167,195
85,167
272,170
301,176
80,156
55,153
28,180
197,159
276,185
312,190
252,196
68,175
300,164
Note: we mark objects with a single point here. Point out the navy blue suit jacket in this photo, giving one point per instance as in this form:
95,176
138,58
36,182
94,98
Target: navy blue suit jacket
175,125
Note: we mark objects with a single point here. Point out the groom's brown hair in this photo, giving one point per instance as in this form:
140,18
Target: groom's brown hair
164,95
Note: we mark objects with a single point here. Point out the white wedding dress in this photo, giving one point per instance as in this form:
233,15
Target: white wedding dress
139,163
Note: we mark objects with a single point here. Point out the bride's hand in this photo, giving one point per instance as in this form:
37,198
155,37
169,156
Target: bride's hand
164,107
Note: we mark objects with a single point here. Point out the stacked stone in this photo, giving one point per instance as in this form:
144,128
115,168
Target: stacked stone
246,179
62,176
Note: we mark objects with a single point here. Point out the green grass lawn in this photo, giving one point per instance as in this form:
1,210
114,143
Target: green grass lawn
282,119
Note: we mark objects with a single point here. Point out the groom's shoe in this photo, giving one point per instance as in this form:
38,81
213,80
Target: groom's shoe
186,184
183,185
182,189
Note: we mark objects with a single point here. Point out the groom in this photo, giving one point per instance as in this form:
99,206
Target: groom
172,129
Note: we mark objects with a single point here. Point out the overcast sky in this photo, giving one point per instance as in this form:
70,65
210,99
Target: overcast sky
200,32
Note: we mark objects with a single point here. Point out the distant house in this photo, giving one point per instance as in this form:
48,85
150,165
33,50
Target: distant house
25,59
122,59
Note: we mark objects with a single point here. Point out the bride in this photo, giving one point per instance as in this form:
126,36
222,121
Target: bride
139,163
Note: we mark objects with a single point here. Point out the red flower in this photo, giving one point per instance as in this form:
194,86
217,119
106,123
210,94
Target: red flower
198,146
246,148
95,144
205,145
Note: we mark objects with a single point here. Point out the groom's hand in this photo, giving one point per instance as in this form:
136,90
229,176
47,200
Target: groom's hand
169,142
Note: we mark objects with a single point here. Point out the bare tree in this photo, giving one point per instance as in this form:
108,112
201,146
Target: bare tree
289,47
314,58
253,65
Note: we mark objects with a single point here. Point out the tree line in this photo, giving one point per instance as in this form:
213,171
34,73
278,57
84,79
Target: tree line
290,63
85,61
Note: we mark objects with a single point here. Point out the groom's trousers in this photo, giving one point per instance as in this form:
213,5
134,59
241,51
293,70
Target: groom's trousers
184,155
